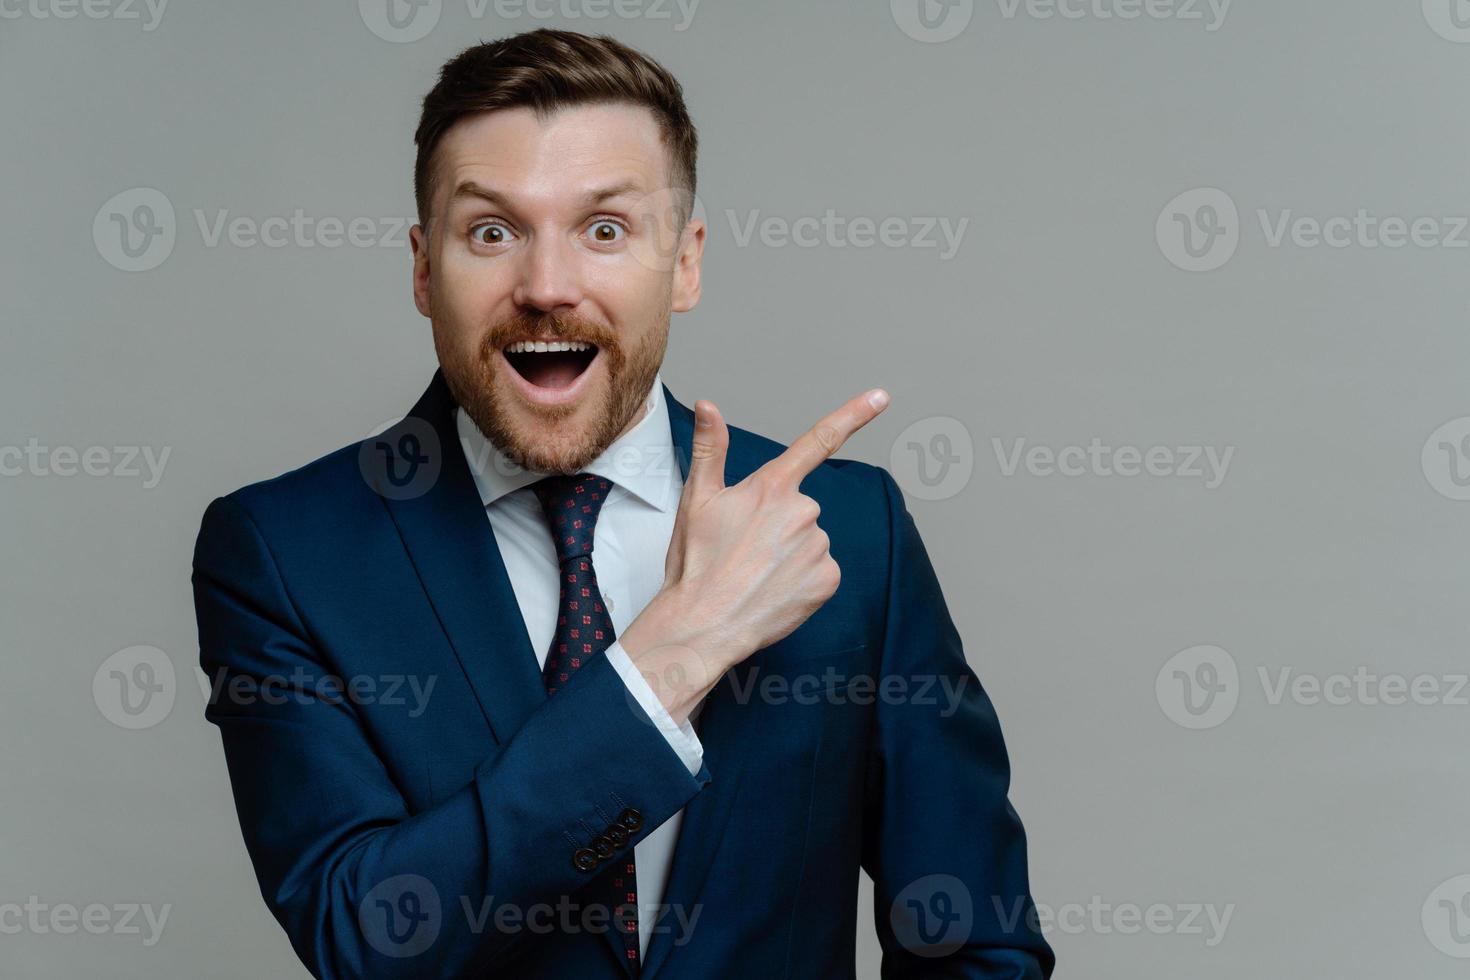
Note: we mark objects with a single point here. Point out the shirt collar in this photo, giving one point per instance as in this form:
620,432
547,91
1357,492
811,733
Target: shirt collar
640,461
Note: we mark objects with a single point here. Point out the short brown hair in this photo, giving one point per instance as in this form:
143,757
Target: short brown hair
546,70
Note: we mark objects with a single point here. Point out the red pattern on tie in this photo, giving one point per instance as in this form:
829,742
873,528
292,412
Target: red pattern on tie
584,630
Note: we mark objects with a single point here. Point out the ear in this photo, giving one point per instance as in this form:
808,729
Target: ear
687,267
418,240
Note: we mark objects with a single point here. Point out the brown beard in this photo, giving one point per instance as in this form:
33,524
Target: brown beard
630,377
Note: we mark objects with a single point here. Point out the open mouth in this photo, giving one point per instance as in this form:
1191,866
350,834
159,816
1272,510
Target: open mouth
550,364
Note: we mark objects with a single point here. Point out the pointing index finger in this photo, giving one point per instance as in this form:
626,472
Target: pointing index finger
819,442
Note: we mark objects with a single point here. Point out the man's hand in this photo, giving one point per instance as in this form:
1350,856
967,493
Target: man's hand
746,565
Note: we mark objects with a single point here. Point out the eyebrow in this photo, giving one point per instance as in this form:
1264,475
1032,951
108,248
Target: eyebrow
469,188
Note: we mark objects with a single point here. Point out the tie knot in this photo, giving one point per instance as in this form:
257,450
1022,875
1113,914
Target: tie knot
572,504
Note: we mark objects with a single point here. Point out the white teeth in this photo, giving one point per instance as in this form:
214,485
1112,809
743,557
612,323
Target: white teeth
529,346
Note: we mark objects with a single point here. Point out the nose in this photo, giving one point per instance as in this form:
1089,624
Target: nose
549,277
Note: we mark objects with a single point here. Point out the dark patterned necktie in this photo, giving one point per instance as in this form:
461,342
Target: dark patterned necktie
583,631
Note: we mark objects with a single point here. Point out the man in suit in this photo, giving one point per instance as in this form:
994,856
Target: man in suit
673,684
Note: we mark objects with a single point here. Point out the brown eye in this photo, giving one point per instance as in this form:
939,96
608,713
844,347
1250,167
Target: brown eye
606,232
490,234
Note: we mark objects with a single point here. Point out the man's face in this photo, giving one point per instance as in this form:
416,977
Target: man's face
554,233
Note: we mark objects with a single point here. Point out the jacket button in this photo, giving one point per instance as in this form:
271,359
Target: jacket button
631,820
603,845
584,860
617,834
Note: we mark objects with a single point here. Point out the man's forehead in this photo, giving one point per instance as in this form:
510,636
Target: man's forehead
581,146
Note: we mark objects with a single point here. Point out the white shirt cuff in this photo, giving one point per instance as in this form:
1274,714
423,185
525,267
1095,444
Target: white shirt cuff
681,738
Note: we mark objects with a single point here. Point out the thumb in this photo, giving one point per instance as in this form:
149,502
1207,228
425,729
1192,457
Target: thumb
707,467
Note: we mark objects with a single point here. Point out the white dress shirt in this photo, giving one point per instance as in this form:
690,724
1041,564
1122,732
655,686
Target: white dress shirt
628,549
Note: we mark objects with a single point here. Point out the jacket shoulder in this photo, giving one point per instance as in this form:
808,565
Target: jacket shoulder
327,492
841,486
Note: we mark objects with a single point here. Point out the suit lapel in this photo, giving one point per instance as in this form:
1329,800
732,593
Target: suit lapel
452,546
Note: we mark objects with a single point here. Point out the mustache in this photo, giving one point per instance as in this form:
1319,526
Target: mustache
550,326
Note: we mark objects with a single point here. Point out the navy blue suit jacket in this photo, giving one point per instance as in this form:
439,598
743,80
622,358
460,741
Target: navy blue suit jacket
396,835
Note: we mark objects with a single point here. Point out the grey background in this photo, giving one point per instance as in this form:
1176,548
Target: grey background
1060,319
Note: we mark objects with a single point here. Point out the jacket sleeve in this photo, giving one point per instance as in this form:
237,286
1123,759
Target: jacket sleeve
361,887
943,845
